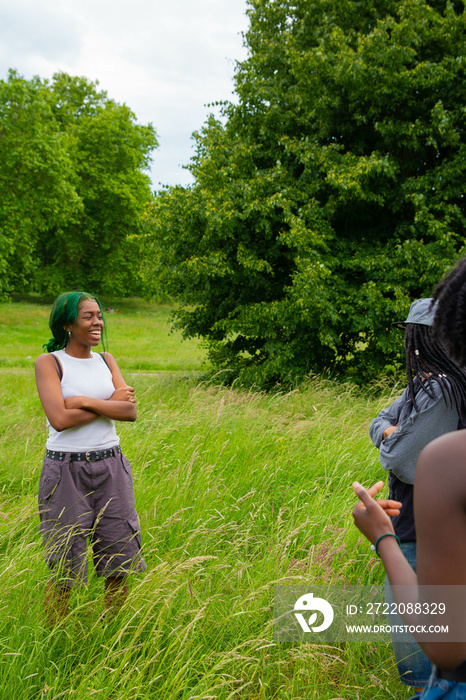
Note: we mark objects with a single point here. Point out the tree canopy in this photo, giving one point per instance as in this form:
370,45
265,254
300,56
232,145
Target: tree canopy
329,196
73,190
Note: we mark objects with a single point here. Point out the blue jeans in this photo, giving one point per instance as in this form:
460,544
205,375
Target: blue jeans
440,689
414,667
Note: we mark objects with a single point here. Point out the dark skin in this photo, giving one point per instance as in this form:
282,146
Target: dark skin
62,413
440,515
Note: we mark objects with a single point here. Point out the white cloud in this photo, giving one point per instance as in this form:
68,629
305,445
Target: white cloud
166,60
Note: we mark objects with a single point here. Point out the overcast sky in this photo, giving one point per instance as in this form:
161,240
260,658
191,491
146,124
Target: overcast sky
166,59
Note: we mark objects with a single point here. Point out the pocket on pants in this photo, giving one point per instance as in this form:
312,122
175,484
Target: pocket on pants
127,466
49,479
136,530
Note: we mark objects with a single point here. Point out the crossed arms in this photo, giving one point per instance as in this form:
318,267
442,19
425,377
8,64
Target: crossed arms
80,410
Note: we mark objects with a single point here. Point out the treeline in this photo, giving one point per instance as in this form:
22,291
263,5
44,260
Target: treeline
329,195
326,198
72,187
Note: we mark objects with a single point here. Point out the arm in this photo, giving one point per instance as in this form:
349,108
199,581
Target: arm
120,406
372,519
440,514
48,384
386,421
123,410
435,564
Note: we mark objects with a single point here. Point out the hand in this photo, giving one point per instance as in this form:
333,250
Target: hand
388,431
124,393
74,402
372,517
390,507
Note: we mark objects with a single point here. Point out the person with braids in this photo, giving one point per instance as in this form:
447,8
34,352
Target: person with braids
429,407
440,517
86,487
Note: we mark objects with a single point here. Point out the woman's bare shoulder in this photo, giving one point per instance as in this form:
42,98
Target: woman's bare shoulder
441,469
44,360
450,444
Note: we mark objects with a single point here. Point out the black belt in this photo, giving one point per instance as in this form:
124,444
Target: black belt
455,674
89,456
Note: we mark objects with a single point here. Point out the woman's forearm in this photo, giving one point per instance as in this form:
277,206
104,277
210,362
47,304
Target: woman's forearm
399,571
116,410
71,418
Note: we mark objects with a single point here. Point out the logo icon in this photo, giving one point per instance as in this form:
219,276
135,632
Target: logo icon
307,603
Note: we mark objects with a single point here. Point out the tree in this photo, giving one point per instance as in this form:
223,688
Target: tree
73,190
36,172
329,196
109,152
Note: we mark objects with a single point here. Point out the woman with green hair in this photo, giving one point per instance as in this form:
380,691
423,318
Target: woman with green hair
86,487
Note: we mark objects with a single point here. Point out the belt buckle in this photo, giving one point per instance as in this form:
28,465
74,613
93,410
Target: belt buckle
87,456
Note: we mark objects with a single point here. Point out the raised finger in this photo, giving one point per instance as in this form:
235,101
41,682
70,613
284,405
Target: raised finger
363,495
375,489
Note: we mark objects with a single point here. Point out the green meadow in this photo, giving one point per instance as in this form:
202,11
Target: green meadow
237,491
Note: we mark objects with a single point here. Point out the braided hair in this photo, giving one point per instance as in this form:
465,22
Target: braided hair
426,358
450,317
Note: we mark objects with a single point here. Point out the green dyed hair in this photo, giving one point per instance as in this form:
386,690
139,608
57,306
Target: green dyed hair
64,313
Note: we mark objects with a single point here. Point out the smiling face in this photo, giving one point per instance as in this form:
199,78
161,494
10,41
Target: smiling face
86,331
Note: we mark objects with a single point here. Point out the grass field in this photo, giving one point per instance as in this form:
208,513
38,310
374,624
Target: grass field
236,491
139,336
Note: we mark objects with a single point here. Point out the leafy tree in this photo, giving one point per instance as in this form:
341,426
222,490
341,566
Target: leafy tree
329,196
36,172
109,152
73,190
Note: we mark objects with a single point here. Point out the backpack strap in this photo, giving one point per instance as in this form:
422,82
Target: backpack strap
59,367
103,358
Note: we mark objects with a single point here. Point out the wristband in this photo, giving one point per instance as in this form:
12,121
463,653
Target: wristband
387,534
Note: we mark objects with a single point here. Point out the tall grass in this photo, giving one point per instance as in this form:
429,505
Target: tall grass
237,491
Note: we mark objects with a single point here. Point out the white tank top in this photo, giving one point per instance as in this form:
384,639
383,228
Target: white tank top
84,377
